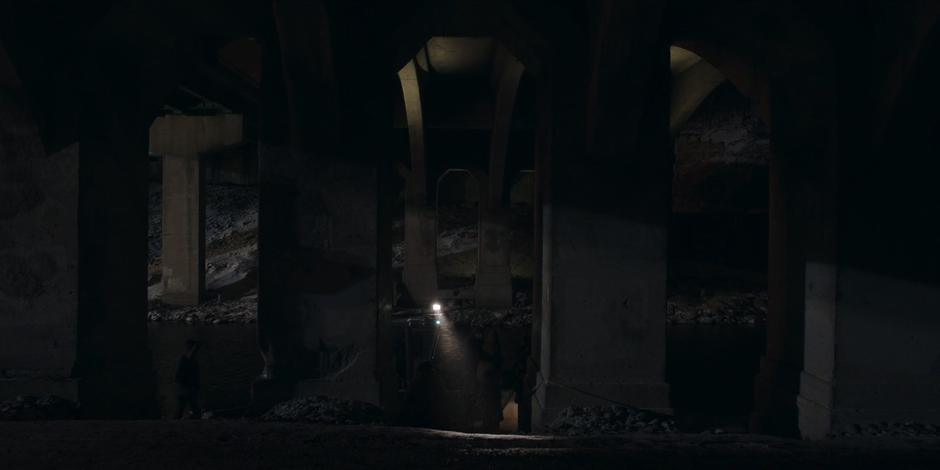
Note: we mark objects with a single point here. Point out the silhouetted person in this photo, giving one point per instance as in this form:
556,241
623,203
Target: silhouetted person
418,408
187,381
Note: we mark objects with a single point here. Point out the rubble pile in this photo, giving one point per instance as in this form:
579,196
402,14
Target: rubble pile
243,310
726,308
610,420
490,318
906,429
31,408
325,410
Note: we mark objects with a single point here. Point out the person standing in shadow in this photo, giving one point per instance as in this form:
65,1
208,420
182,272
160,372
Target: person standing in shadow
187,381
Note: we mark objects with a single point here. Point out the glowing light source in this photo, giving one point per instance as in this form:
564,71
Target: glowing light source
437,322
436,307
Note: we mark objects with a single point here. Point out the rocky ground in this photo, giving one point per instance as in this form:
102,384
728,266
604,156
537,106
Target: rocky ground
325,410
908,429
726,307
241,310
244,444
31,408
610,420
482,318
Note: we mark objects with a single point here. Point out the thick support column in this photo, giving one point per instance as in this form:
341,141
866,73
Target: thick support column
420,272
181,140
605,215
114,364
778,382
38,252
318,224
494,276
873,270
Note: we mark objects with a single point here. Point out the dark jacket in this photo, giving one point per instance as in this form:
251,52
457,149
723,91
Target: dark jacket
187,373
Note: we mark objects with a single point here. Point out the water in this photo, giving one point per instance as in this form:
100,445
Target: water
229,361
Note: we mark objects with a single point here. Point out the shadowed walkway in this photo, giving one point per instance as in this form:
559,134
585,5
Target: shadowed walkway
248,444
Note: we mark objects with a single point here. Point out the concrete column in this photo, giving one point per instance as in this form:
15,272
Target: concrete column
605,207
494,276
777,384
114,363
318,234
873,263
181,140
420,271
38,252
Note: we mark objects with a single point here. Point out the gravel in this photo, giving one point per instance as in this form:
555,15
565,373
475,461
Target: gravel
906,429
243,310
725,308
32,408
610,420
488,318
325,410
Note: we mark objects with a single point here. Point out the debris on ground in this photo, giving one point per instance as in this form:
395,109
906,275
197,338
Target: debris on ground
243,310
33,408
906,429
325,410
722,308
477,317
610,420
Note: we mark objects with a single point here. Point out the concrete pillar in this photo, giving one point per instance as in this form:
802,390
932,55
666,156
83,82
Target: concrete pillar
114,364
181,140
494,276
777,384
873,263
318,234
420,271
38,252
605,207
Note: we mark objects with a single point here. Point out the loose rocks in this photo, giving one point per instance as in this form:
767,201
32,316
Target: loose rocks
30,408
906,429
325,410
610,420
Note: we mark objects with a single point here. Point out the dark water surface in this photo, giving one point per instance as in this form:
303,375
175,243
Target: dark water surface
229,361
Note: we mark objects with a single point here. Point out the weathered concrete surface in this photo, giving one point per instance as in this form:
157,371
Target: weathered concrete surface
181,140
38,252
873,264
248,444
318,234
420,273
605,214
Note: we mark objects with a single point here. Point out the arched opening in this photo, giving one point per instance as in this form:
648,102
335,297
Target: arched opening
470,141
718,248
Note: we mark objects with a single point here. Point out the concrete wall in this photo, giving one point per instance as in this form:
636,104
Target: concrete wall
38,254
